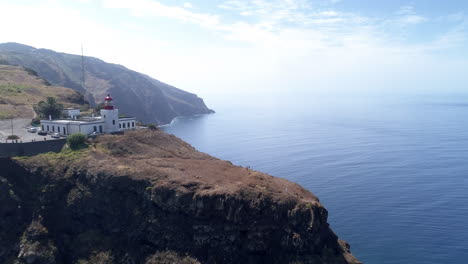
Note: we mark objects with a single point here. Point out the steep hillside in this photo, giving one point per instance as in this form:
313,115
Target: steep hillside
135,94
21,89
148,197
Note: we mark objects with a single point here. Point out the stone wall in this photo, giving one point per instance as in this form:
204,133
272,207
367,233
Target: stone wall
31,148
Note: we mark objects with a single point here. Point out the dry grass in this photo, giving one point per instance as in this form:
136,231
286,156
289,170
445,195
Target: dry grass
20,90
167,161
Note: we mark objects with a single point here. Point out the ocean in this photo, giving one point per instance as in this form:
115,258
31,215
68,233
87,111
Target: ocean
392,170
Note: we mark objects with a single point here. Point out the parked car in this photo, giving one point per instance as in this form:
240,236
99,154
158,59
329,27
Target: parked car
41,133
32,129
55,135
93,135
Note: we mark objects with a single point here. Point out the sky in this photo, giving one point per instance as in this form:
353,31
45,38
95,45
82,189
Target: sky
279,47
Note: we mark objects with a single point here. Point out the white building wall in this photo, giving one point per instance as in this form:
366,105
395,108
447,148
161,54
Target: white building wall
55,127
127,124
89,128
111,120
61,129
71,112
74,128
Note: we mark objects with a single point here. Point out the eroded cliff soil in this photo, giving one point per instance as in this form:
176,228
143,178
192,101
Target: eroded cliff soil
148,197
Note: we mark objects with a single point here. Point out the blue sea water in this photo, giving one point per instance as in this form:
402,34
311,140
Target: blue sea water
391,170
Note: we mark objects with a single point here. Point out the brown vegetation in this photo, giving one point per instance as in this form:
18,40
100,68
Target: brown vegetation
166,160
20,90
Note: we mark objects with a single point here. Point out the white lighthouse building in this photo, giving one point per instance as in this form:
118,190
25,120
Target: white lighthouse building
108,122
110,116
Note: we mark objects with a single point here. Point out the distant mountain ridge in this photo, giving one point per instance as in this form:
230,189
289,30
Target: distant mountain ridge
135,94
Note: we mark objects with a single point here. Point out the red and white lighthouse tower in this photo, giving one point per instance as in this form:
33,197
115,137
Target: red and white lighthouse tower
110,115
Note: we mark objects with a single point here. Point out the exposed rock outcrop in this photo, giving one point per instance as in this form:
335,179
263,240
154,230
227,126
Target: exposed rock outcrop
148,197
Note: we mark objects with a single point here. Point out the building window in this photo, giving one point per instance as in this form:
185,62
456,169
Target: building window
42,128
58,129
113,122
95,128
123,125
104,116
133,124
100,129
47,128
120,125
53,128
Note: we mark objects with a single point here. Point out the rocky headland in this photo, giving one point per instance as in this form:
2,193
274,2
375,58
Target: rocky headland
148,197
136,94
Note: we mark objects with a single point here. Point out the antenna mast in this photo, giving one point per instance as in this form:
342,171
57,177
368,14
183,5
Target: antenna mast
82,70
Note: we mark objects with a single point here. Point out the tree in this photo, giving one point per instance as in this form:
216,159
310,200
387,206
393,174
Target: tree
49,108
76,141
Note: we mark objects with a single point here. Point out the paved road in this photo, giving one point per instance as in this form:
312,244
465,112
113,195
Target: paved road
20,129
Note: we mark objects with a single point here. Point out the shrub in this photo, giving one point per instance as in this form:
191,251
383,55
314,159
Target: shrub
76,141
12,137
36,121
152,127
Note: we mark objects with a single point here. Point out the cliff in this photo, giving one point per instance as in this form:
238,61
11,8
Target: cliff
148,197
136,94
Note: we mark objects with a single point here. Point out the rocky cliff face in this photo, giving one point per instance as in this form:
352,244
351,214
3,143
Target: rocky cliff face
148,197
135,94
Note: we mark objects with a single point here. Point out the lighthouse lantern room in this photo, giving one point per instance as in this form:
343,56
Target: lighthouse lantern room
108,103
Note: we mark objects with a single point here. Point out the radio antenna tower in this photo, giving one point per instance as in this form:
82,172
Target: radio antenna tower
82,71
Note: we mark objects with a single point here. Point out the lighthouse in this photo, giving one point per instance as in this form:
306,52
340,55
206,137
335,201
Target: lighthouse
108,122
110,115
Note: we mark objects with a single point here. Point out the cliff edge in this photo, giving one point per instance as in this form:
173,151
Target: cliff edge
148,197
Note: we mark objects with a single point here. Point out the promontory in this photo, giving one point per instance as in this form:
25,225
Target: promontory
148,197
